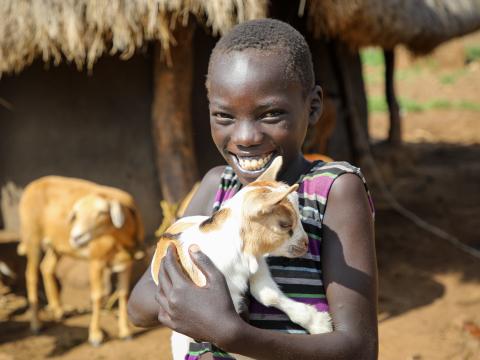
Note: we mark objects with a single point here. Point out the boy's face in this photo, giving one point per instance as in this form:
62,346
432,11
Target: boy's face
256,113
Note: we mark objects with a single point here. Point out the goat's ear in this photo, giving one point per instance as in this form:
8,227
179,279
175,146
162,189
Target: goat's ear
270,200
271,173
116,214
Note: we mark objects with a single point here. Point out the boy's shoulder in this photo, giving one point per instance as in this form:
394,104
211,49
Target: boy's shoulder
202,200
331,169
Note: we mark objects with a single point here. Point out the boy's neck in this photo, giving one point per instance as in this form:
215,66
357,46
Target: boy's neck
295,169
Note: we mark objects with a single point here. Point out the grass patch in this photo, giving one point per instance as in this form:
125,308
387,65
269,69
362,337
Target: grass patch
472,53
449,79
372,57
379,104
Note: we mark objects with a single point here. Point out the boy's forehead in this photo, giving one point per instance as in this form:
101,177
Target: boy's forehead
252,67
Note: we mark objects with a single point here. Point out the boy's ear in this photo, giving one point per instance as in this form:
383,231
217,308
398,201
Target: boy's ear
316,105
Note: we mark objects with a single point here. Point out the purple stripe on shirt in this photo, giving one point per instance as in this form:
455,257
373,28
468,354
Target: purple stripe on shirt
257,308
318,186
313,246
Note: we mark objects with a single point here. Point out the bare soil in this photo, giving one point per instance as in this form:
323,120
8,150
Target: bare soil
429,298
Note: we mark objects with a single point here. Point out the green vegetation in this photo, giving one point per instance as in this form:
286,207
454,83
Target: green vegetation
452,78
472,53
372,57
379,104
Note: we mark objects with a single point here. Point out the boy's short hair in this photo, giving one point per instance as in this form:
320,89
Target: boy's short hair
271,35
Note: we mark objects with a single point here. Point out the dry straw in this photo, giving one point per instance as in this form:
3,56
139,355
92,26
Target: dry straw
80,31
419,24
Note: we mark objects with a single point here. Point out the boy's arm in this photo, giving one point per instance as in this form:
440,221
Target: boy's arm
350,276
142,304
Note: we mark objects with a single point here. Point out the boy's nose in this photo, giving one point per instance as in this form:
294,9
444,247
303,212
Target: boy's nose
247,134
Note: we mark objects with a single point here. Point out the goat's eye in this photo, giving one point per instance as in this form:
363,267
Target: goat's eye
285,225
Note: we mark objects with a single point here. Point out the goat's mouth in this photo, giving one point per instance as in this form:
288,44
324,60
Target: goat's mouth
79,240
253,164
297,251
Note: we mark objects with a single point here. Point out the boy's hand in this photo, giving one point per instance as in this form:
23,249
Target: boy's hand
202,313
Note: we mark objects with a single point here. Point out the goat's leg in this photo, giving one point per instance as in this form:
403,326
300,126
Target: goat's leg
48,265
123,287
266,291
31,275
95,335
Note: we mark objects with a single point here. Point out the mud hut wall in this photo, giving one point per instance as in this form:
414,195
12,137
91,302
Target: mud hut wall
95,127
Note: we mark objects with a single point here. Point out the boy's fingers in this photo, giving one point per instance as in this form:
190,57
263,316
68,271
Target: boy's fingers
164,318
172,267
162,301
163,277
206,266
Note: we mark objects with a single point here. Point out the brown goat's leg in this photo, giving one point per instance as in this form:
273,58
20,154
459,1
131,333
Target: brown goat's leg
48,265
95,335
123,287
31,275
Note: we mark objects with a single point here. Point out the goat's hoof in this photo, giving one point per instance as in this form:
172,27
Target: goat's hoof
35,327
125,334
58,314
96,339
320,324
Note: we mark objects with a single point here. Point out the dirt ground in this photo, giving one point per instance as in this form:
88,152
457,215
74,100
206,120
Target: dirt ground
429,298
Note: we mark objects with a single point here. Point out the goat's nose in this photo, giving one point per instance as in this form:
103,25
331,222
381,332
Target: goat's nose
305,242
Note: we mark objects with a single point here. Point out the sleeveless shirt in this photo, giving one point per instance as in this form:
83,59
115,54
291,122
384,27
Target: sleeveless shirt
299,278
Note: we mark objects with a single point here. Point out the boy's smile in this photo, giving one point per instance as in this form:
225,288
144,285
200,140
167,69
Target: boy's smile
257,112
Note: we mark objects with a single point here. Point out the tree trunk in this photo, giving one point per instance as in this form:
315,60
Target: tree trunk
395,131
172,125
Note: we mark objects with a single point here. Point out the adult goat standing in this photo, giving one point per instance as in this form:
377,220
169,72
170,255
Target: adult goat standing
67,216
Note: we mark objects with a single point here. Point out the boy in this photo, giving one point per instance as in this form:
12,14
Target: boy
262,97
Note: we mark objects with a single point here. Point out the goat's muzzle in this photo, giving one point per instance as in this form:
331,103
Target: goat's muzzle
299,249
79,240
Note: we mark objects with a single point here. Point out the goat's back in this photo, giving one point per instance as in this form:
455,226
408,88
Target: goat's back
46,203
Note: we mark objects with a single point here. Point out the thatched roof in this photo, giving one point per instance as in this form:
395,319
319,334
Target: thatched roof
80,31
421,25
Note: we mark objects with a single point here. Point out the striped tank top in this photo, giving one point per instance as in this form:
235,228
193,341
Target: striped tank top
299,278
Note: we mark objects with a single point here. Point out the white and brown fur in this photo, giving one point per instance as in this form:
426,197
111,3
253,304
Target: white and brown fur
67,216
261,219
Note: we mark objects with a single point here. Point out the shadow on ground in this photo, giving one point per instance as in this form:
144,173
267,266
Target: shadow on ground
439,182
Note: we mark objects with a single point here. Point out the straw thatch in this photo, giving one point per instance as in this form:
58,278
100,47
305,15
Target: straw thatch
80,31
421,25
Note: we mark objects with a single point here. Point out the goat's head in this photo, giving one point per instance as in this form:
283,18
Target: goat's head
270,218
93,215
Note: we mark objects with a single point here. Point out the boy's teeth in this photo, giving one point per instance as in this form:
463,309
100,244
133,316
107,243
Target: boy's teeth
254,164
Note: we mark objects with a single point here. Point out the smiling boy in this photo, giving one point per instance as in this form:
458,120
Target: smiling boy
262,97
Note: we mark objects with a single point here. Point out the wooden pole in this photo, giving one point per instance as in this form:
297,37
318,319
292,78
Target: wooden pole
395,131
349,72
171,117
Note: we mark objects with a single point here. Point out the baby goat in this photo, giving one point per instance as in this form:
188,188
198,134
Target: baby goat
261,219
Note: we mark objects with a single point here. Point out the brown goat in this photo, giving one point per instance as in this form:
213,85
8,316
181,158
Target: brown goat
67,216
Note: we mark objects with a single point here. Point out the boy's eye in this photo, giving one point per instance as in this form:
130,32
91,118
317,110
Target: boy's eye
223,118
272,117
